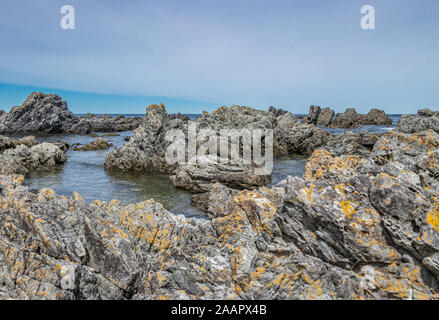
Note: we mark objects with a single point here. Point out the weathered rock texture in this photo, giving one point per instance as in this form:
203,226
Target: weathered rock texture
145,151
23,160
98,144
425,119
39,113
107,123
353,228
48,113
8,143
352,143
200,174
349,119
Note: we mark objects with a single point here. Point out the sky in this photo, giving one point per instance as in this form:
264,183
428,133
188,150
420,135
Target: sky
196,55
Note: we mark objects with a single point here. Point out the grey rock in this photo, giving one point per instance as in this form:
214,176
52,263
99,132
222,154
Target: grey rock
420,122
98,144
39,113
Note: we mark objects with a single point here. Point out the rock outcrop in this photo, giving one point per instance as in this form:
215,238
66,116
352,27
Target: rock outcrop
349,119
8,143
23,160
107,123
353,228
200,174
98,144
146,149
425,119
40,113
352,143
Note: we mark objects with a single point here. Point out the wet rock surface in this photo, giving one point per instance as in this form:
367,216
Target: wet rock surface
98,144
353,228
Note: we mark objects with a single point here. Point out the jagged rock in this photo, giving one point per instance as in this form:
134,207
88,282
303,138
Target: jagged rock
82,128
107,123
146,149
98,144
8,143
375,117
23,160
39,113
313,115
329,236
424,120
201,173
352,143
325,117
277,112
300,139
2,112
349,119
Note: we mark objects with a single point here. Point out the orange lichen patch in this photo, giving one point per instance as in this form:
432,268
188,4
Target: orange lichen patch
433,215
45,194
348,207
77,197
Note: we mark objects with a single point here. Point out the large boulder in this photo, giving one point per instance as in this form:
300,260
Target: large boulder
325,117
349,119
23,160
8,143
424,120
42,113
375,117
201,173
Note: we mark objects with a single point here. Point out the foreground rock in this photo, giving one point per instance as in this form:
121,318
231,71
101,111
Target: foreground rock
8,143
349,119
23,160
354,228
40,113
98,144
425,119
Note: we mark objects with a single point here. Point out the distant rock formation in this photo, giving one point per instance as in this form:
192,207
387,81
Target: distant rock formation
49,114
98,144
40,113
349,119
424,120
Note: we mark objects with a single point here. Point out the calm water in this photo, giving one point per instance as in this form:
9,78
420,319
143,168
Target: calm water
84,172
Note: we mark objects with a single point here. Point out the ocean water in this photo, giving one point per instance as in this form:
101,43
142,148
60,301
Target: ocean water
84,172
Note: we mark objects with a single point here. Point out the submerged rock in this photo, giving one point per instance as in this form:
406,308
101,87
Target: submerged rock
98,144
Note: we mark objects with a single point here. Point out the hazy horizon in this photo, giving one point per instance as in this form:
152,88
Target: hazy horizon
198,55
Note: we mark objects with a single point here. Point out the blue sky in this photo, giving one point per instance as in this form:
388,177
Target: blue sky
197,55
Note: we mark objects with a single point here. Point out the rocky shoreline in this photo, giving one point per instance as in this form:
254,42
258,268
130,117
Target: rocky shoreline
362,222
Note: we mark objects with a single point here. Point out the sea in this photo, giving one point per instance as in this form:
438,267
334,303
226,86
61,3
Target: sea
84,172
